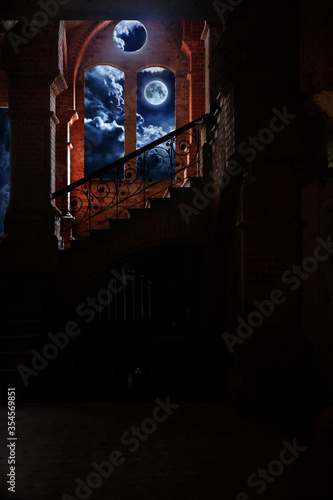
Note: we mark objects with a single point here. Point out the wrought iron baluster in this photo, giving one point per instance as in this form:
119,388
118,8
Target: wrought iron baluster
147,167
62,221
198,148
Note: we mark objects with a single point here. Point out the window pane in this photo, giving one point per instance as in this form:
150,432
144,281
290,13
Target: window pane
103,117
155,118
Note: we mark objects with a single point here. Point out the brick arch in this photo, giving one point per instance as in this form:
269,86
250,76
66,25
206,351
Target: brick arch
78,48
105,64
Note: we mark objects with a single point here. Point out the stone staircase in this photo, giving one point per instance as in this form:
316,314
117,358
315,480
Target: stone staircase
25,297
159,220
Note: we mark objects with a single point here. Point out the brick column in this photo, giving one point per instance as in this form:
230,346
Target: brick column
66,118
63,145
194,47
76,137
29,220
130,98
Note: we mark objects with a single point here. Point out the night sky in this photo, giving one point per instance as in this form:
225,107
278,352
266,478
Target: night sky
4,166
104,113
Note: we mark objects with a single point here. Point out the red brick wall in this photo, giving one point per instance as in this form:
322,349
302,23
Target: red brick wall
250,77
316,42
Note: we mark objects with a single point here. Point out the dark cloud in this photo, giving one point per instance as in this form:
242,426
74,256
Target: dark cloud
4,166
104,117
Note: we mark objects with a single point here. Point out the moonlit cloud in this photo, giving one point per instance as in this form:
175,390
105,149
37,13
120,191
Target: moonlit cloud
149,134
121,29
98,122
139,119
119,42
153,69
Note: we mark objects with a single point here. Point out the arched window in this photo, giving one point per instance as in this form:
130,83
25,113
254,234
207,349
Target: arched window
156,104
103,117
156,115
105,105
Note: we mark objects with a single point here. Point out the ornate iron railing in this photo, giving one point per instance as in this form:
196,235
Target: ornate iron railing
130,181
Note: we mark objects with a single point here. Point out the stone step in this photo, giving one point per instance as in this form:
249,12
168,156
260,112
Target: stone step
23,313
10,378
23,280
24,342
97,234
9,360
138,213
180,195
193,182
78,246
27,298
158,203
20,328
120,224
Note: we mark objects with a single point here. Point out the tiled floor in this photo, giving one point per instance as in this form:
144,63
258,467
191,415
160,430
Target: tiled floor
202,451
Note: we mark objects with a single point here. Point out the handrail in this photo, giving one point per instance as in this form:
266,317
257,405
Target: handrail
128,157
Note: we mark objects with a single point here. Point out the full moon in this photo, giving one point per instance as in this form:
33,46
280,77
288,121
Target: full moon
156,92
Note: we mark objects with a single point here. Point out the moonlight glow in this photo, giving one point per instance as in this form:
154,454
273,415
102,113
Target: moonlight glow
156,92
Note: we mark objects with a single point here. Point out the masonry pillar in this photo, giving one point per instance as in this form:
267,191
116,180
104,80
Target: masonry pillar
64,147
77,138
29,221
130,98
194,47
66,118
